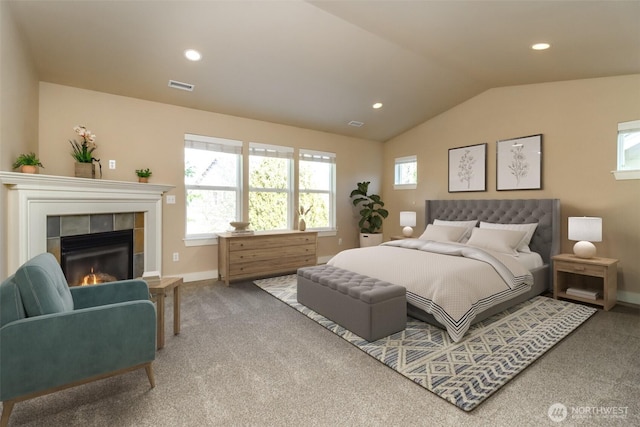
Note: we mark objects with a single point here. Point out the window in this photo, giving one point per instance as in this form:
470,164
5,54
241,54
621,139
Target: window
213,184
629,145
270,187
317,187
406,173
628,150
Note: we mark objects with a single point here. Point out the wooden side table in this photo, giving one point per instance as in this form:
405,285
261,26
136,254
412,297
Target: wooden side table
159,290
401,237
572,271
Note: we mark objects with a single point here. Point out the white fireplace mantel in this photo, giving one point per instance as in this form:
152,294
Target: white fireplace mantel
31,198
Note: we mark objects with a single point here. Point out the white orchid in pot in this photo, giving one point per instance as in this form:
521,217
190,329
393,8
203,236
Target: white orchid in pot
83,152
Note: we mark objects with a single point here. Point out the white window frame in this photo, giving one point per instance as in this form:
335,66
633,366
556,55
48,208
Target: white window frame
398,164
282,152
622,172
223,145
323,157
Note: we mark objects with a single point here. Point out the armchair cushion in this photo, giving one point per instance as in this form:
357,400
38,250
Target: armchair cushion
11,307
43,287
109,293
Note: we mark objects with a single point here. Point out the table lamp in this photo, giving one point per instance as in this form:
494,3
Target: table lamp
407,220
585,229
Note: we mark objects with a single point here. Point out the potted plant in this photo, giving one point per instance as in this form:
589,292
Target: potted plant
143,174
28,163
371,214
83,153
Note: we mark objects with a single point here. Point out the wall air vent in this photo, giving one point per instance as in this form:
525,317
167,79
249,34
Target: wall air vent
182,86
355,123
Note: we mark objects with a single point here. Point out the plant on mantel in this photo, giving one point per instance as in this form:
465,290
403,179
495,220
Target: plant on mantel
83,152
28,163
143,174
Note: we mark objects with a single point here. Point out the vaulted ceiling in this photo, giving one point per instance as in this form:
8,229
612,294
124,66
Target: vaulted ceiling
322,64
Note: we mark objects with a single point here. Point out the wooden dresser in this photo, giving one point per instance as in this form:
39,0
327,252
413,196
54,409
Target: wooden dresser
265,254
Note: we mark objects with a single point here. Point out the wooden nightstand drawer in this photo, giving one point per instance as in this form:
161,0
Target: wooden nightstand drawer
588,270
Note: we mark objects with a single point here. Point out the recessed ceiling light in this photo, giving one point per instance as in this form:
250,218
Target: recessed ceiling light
192,55
541,46
377,105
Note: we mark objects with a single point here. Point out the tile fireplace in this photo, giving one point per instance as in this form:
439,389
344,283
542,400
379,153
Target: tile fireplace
36,202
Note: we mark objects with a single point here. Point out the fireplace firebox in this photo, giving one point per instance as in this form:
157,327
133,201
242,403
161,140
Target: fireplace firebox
97,257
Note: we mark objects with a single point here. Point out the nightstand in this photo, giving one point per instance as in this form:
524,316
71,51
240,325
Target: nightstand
595,274
400,237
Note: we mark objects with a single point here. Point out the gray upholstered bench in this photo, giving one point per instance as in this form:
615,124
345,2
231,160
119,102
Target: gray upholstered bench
368,307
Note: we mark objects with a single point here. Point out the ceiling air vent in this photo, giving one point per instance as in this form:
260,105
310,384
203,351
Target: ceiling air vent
182,86
355,123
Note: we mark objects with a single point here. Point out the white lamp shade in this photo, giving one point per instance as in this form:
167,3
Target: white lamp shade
585,228
408,219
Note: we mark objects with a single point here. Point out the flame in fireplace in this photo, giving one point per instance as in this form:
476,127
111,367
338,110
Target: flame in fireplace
89,279
95,278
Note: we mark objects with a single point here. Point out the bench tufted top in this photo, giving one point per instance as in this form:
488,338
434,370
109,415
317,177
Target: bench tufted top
357,286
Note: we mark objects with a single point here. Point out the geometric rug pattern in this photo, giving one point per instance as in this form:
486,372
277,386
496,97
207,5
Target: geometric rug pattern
465,373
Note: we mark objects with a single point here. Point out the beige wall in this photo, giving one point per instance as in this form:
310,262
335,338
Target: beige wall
578,120
140,134
18,107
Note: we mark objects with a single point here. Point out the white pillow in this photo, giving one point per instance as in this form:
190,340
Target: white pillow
469,225
504,241
443,233
529,229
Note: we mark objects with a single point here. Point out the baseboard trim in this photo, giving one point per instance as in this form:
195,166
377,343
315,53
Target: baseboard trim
629,297
199,275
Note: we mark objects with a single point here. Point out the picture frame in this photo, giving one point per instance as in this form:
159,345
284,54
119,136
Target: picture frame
519,163
468,168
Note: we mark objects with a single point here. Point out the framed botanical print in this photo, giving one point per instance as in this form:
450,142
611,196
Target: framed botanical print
519,163
468,168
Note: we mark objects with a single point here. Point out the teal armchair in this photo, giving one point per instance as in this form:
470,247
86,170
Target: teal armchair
53,337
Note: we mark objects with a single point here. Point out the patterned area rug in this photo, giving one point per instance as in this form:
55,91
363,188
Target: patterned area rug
467,372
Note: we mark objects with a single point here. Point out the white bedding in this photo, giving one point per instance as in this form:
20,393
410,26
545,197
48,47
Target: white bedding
453,288
531,260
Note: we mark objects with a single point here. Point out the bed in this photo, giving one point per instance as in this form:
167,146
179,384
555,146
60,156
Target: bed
454,284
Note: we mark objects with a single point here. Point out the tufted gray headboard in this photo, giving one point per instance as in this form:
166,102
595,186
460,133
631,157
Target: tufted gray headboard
546,212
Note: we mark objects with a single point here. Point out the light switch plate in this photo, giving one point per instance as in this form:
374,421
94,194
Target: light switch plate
171,199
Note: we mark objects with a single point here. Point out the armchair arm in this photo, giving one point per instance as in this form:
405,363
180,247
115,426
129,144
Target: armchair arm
47,351
109,293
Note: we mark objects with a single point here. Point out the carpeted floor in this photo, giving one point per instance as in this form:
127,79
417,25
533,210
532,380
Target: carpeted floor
243,358
467,372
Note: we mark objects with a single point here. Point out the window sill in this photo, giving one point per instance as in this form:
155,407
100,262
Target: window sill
623,175
200,241
405,186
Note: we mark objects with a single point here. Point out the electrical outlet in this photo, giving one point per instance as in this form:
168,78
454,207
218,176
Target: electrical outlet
112,164
339,241
176,256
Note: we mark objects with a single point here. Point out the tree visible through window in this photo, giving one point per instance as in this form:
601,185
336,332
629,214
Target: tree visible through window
212,180
270,189
316,188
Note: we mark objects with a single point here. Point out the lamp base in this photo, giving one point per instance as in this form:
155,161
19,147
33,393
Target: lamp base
584,249
407,231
